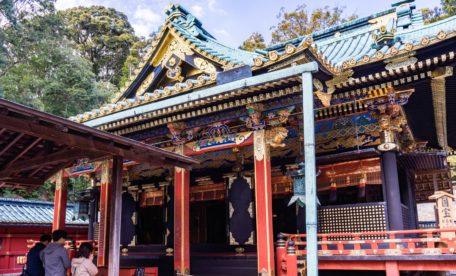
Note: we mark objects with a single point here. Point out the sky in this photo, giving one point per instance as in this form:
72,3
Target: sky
230,21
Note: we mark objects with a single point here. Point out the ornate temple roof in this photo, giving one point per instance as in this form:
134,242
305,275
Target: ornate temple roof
192,30
22,211
372,38
381,36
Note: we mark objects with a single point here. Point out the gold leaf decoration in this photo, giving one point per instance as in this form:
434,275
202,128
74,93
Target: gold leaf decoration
204,65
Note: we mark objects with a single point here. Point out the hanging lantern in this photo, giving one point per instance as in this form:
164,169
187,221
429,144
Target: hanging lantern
387,141
299,190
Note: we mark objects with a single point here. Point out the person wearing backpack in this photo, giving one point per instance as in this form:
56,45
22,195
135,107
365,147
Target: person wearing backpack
83,264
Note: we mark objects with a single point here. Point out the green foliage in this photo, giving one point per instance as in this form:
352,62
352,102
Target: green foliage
12,11
302,22
447,8
254,41
7,11
46,72
41,67
136,53
78,183
103,36
44,192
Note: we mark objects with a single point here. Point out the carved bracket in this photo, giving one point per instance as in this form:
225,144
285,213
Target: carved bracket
388,111
259,120
324,94
275,119
180,134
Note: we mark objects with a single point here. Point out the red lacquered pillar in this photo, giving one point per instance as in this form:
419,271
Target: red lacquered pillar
392,269
181,219
105,194
263,204
60,201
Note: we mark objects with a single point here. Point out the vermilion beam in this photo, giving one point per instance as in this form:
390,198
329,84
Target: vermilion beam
105,194
263,204
181,221
60,202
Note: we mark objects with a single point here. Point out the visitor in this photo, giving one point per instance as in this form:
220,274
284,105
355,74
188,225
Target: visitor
55,256
83,264
34,263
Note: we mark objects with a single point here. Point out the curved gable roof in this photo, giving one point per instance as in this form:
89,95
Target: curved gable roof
23,211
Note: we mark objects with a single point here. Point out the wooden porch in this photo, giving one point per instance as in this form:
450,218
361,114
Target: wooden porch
389,251
36,147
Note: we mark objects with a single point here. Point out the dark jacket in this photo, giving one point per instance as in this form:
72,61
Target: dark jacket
34,264
55,260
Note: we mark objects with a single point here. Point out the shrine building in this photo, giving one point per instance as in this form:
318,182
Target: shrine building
380,91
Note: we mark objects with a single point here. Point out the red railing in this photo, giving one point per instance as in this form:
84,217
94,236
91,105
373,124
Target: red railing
389,243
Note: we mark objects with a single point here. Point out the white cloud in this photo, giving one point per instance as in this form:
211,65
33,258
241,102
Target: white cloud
212,7
197,10
222,33
145,21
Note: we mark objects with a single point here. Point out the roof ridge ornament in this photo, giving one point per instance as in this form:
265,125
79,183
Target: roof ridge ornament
187,21
385,35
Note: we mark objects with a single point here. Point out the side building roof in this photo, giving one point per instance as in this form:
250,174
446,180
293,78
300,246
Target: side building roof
22,211
369,38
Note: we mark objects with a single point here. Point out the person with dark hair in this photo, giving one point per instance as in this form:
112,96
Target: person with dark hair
54,256
83,264
34,264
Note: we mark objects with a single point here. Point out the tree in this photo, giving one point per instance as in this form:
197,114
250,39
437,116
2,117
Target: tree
41,67
254,41
44,192
300,22
135,56
102,35
45,71
47,190
447,8
13,10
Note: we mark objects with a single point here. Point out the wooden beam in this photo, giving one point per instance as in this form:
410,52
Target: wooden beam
74,140
391,268
434,265
23,152
57,157
59,167
181,221
263,204
10,144
60,201
116,216
22,181
35,171
104,217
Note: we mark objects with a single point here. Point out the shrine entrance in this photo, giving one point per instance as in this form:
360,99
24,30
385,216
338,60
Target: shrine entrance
208,222
150,221
285,218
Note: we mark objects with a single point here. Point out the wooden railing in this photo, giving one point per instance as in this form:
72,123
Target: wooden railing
389,243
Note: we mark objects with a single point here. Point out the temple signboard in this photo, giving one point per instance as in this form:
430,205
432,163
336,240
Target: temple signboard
446,213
